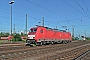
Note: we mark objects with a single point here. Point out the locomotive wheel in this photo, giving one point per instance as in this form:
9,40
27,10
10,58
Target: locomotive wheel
52,42
40,43
64,42
44,42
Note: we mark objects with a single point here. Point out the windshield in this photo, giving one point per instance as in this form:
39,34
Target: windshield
33,30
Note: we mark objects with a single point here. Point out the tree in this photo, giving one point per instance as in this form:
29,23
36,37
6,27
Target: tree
1,34
4,34
17,37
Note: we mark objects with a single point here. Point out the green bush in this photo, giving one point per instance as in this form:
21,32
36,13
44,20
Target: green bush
17,37
88,38
73,38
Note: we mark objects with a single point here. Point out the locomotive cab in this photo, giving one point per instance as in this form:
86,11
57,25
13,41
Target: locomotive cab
36,35
31,36
32,32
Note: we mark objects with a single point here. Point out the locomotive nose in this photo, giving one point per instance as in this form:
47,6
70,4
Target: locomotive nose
31,36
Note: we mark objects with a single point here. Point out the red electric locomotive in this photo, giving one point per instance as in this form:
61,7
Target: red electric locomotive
42,35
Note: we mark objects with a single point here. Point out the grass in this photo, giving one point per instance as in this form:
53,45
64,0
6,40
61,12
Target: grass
4,41
7,41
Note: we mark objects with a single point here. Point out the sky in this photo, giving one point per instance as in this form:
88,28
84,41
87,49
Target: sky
70,13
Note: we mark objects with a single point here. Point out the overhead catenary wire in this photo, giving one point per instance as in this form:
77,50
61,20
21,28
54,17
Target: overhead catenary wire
61,10
80,6
85,6
58,8
86,9
73,7
46,9
24,15
38,19
21,14
47,14
30,16
82,9
36,11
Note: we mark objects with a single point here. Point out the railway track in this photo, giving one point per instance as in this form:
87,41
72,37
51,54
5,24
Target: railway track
69,54
24,52
13,48
84,56
22,46
11,45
